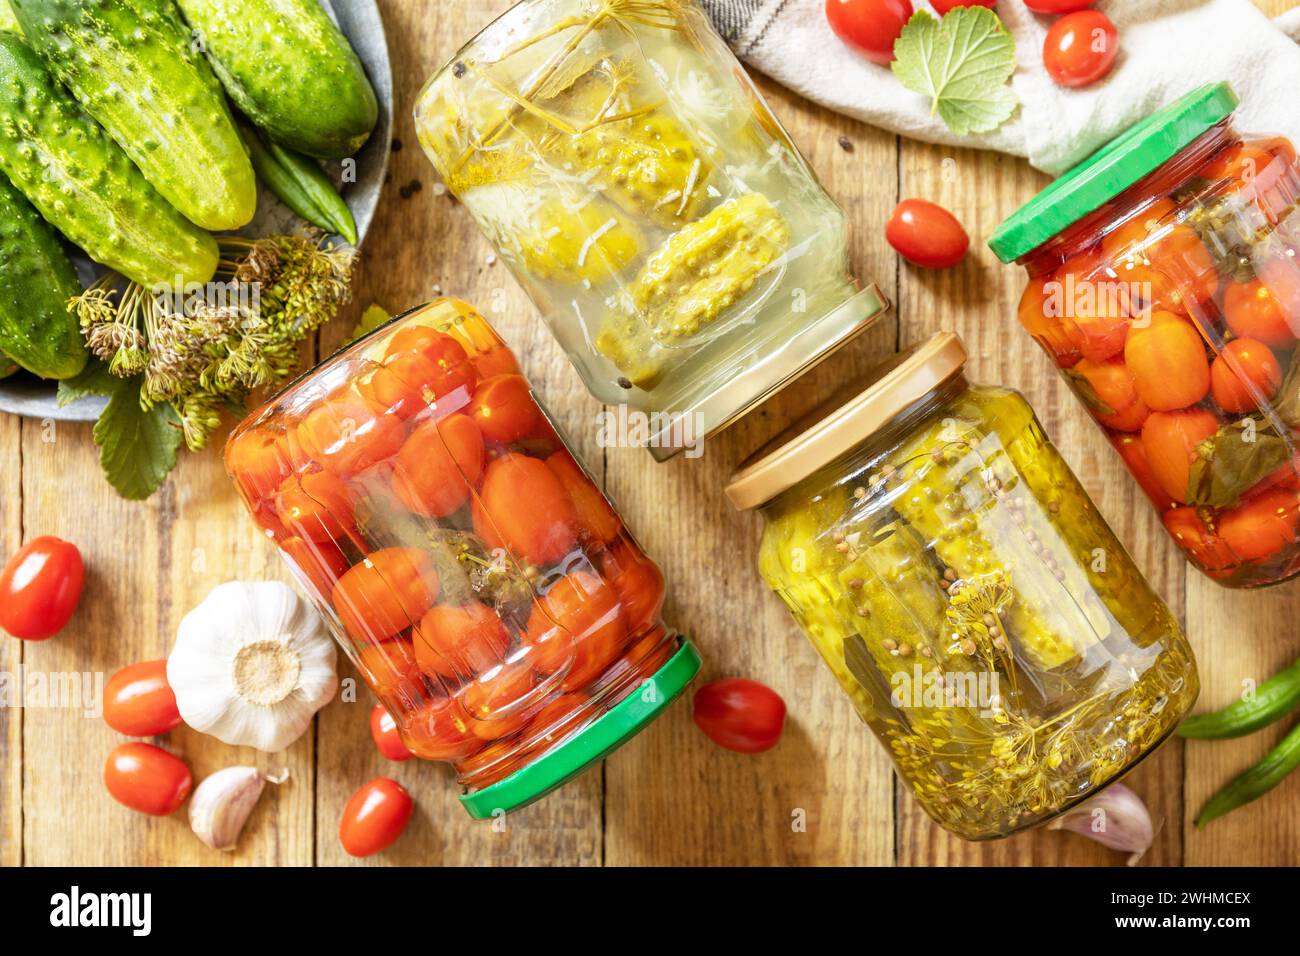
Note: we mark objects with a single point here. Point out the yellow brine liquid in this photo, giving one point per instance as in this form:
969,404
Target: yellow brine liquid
626,170
985,621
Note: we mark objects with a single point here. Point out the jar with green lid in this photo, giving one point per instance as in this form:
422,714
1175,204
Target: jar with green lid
974,605
631,177
1163,282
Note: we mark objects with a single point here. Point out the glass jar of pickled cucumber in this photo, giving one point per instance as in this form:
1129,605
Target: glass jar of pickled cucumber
961,585
1163,282
628,172
477,578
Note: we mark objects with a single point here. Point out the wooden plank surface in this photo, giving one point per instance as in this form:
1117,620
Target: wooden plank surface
827,794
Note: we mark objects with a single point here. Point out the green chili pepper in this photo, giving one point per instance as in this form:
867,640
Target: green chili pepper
301,185
1272,700
1256,781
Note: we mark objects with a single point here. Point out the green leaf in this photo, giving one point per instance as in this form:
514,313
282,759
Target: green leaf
1232,461
137,447
1287,401
962,63
94,379
1084,389
371,319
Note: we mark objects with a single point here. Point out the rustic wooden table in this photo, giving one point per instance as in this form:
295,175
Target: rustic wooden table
669,797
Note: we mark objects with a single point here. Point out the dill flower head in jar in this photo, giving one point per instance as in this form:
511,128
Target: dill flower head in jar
483,586
629,174
960,584
1163,282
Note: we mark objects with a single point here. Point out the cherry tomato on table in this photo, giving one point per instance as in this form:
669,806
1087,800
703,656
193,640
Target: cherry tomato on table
383,731
926,234
869,26
1080,48
139,702
147,778
740,714
40,588
375,817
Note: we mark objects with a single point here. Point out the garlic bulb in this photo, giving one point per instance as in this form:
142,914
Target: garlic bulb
251,666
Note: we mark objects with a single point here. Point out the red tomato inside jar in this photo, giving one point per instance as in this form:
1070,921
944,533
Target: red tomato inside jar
1163,282
481,583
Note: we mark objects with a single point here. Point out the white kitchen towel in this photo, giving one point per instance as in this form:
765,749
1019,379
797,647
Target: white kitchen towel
1167,47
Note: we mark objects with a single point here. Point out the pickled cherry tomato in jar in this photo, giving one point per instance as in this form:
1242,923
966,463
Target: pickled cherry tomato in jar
482,584
1164,283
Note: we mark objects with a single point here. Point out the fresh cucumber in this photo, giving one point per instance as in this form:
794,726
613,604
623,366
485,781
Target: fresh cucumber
131,66
287,66
36,281
85,186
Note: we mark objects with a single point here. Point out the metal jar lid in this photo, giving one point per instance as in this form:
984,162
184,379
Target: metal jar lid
842,424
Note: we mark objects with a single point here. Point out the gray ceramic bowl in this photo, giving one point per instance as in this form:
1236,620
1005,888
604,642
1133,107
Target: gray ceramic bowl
23,394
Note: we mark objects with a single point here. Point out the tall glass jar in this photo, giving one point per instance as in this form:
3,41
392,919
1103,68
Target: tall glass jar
972,602
485,589
636,184
1164,284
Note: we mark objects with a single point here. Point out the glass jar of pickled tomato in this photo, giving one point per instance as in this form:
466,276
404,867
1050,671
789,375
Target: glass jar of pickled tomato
971,601
1163,283
479,581
632,178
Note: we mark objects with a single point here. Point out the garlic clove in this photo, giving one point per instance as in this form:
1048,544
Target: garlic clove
1115,818
222,803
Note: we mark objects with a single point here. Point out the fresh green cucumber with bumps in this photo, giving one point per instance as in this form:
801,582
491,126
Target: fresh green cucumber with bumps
287,66
37,330
131,66
79,179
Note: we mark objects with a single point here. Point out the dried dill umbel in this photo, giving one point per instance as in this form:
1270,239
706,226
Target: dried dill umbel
204,349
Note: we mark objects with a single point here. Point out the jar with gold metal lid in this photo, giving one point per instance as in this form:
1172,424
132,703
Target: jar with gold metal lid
972,602
634,181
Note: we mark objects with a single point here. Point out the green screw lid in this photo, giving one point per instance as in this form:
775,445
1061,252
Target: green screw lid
610,731
1141,148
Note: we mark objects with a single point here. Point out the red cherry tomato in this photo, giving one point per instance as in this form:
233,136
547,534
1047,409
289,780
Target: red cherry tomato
437,465
638,582
504,409
460,641
139,702
345,436
322,563
1080,48
524,507
501,700
391,670
1246,368
375,817
257,461
147,778
439,730
316,506
383,731
422,366
386,593
926,234
869,26
40,588
1058,6
740,714
578,623
1261,527
597,521
943,6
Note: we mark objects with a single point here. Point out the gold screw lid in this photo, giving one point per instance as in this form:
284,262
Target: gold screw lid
841,425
